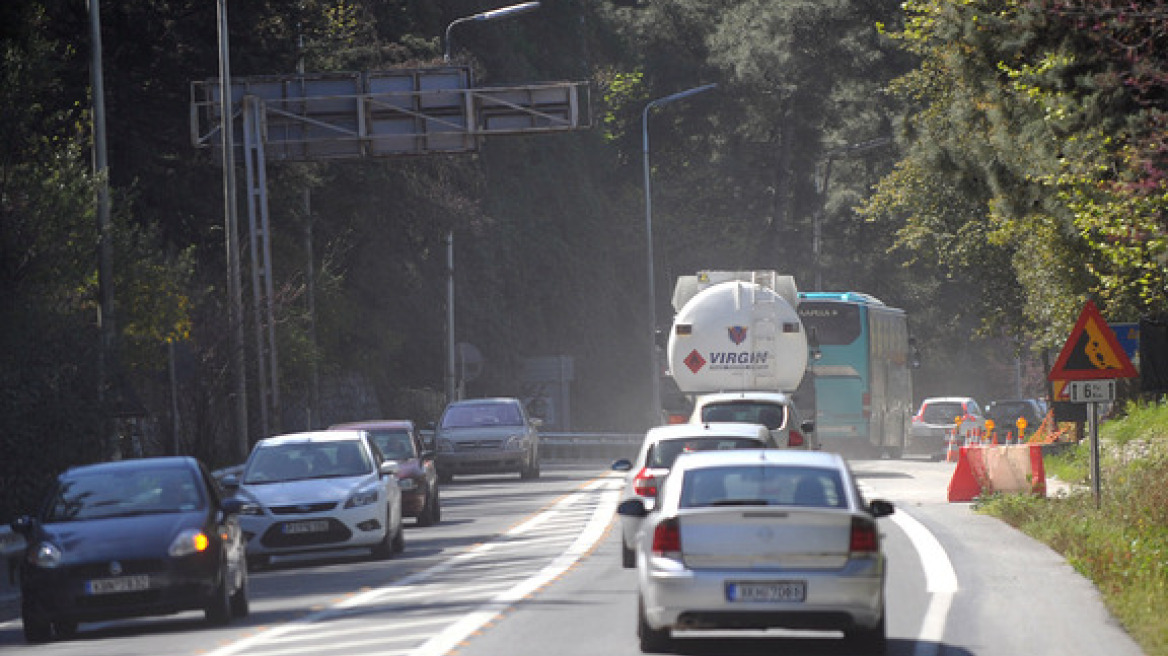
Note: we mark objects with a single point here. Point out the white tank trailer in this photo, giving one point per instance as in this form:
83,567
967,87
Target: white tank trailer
736,331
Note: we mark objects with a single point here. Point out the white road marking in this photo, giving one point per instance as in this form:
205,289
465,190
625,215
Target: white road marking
457,630
940,582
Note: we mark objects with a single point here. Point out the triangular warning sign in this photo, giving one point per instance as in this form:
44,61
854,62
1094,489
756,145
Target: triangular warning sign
1092,352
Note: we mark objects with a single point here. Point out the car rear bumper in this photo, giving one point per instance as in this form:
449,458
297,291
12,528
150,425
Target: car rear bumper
835,600
498,460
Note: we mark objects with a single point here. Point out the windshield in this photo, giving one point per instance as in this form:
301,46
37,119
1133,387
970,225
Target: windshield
665,452
753,485
474,415
292,462
942,413
771,415
124,493
394,444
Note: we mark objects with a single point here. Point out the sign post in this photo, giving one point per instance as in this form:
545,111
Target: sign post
1089,363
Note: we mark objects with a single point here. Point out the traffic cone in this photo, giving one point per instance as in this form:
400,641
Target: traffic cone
952,449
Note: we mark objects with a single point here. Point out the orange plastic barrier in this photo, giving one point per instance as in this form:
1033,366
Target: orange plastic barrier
1013,468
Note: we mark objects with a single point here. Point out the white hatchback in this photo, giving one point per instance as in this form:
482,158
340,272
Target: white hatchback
316,491
661,447
760,539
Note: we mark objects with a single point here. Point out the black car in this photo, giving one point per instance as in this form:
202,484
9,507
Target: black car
127,539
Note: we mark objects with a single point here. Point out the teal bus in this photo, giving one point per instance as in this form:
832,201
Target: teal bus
858,385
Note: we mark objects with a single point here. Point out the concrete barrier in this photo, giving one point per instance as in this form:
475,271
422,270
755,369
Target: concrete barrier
1011,469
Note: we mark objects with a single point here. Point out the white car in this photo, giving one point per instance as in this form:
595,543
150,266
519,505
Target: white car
661,447
775,410
318,491
760,539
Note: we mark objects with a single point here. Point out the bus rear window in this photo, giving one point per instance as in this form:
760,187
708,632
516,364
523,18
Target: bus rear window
834,323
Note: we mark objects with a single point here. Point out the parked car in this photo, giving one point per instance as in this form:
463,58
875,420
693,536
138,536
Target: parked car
774,410
661,447
760,539
131,538
1006,413
938,418
316,491
417,475
484,436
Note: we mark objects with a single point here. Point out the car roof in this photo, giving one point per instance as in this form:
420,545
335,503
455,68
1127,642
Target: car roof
162,462
778,397
314,436
947,399
792,457
707,429
484,401
373,424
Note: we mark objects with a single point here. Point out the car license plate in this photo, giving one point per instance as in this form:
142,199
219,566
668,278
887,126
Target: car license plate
310,526
765,592
119,584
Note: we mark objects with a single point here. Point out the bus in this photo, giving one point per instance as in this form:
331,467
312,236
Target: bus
858,385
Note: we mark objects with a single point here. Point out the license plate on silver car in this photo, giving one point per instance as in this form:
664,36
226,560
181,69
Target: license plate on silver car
310,526
119,584
766,592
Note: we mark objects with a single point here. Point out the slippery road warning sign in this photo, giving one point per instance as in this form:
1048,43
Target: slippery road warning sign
1092,352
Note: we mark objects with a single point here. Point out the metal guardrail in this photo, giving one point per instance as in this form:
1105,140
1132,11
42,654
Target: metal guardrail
589,446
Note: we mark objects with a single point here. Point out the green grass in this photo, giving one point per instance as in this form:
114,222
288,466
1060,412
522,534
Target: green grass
1122,546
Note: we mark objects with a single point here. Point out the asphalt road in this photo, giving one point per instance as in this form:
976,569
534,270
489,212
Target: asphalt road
533,567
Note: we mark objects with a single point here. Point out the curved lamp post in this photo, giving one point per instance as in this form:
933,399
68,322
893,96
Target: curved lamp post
452,393
493,14
656,378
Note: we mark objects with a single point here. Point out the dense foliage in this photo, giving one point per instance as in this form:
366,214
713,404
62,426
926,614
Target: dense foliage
984,164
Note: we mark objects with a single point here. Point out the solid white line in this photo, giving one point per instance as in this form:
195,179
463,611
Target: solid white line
940,581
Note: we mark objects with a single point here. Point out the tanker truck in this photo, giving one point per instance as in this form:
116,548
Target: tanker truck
738,351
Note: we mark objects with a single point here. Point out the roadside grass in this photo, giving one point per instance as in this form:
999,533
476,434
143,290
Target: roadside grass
1122,546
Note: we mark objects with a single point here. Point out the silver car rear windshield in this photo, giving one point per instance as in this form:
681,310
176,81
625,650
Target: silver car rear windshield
663,453
765,485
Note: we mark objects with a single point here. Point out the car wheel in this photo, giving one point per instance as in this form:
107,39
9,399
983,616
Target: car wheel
399,540
427,516
653,641
871,641
218,608
628,556
36,627
384,550
65,629
530,469
240,606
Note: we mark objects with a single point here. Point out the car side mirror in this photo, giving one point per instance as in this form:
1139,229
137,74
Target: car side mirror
807,426
624,464
387,468
632,508
230,483
231,505
535,422
881,508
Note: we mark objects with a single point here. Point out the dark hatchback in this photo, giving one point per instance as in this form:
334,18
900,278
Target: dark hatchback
417,476
127,539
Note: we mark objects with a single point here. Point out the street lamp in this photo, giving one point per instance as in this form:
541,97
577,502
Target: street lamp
656,378
493,14
451,386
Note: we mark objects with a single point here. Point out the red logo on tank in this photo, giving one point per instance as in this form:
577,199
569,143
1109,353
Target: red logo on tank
695,361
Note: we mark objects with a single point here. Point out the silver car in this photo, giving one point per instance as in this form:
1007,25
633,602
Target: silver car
318,491
487,436
661,447
760,539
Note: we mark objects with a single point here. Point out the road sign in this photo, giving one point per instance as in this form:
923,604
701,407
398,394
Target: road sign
1092,351
1091,391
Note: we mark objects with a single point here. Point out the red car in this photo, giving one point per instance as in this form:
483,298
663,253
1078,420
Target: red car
398,440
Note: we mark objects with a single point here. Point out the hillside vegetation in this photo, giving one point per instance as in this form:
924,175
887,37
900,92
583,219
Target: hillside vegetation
1121,545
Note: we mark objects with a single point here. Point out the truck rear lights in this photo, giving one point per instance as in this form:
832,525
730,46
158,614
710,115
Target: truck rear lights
865,539
795,438
667,538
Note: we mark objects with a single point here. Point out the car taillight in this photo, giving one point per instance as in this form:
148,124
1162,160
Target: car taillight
667,538
795,438
678,419
645,483
865,539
